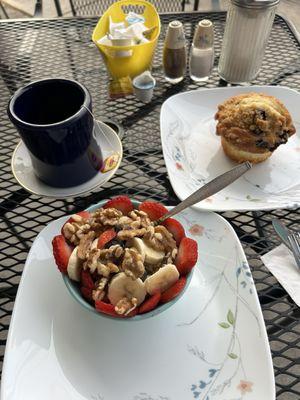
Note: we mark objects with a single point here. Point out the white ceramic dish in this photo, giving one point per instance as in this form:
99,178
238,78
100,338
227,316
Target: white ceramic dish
211,344
193,153
23,172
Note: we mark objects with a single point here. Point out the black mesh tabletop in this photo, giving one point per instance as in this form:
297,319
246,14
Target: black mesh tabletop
35,49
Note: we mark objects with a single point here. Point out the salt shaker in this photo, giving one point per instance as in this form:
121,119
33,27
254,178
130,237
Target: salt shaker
248,26
202,51
174,54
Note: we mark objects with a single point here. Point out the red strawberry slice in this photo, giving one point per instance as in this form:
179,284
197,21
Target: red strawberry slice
153,209
175,228
121,203
187,255
83,214
61,252
108,308
149,304
86,279
87,293
173,291
106,237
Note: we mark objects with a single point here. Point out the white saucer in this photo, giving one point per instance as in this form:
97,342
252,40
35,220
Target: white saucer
23,171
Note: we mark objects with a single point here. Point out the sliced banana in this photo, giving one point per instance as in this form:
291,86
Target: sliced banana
150,255
161,280
74,266
94,244
122,286
138,244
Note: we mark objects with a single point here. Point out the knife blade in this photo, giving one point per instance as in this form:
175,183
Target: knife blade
282,232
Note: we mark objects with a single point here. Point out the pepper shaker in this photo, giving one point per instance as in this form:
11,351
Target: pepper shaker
202,51
174,54
248,26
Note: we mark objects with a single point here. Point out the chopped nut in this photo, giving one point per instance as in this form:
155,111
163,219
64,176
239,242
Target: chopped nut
132,264
125,305
103,269
99,292
69,228
149,232
125,221
73,231
115,251
77,218
167,238
126,234
113,267
158,236
85,244
105,217
174,253
133,215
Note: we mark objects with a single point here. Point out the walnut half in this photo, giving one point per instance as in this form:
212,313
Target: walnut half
132,263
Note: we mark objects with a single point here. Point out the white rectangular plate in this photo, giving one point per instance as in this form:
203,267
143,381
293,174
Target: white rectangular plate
211,345
193,153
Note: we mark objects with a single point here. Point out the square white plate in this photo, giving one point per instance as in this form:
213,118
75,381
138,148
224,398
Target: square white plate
193,153
211,345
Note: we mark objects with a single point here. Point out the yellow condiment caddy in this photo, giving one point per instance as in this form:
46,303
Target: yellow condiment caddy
139,56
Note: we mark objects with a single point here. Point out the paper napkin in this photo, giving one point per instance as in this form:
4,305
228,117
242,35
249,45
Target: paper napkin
281,263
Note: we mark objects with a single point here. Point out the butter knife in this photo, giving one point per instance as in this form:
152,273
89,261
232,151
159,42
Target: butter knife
282,232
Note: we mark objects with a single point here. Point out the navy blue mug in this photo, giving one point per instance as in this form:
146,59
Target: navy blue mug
54,119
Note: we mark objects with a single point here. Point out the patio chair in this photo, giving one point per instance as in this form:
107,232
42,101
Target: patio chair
97,7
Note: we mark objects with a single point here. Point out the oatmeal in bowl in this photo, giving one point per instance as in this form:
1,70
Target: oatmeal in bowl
117,262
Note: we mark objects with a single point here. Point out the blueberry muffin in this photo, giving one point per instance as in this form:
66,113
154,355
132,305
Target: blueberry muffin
252,126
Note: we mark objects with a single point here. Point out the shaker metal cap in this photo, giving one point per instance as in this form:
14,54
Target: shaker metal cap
175,24
255,3
204,34
175,38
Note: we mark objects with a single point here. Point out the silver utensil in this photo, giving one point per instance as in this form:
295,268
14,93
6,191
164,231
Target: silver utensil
282,232
212,187
294,240
290,239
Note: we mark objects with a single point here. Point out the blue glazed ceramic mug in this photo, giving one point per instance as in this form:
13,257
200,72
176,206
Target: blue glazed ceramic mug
54,119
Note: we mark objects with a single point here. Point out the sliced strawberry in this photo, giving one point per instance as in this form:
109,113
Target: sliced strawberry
121,203
61,252
153,209
83,214
105,238
175,228
149,304
108,308
87,293
173,291
86,279
187,255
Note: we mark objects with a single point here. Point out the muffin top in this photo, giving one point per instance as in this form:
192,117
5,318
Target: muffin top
254,122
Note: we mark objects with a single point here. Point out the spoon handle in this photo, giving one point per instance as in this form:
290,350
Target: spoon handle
212,187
